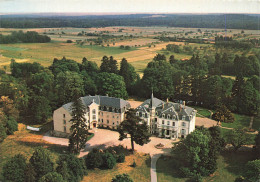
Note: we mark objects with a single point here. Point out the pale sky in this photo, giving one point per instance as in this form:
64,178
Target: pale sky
130,6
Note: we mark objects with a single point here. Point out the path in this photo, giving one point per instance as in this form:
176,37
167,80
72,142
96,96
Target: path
154,159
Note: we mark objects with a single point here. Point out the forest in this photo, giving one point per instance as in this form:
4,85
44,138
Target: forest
228,21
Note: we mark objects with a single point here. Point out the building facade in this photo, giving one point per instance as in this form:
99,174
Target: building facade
164,119
167,119
102,111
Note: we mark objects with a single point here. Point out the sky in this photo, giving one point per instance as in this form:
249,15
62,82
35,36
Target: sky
129,6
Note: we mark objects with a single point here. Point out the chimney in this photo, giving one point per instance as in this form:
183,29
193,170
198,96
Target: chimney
180,107
167,100
184,103
162,105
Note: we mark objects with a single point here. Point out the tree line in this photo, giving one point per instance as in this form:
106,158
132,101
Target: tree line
233,21
20,36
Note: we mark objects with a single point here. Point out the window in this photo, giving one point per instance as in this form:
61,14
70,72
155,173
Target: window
110,109
143,115
163,115
183,132
94,111
113,116
183,124
64,129
117,117
107,121
102,120
101,113
156,113
64,115
183,117
168,122
98,120
162,121
146,115
64,121
94,117
137,113
140,114
173,123
155,119
168,116
113,123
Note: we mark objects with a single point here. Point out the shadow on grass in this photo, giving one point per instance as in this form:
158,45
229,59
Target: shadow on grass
60,149
236,161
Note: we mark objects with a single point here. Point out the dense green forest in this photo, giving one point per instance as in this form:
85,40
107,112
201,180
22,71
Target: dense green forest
20,36
229,21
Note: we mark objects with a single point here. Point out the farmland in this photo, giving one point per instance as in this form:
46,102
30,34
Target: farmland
141,41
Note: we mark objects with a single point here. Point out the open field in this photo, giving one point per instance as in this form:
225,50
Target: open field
230,165
138,38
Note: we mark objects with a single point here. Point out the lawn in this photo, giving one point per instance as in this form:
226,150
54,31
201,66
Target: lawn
230,165
250,141
140,173
241,121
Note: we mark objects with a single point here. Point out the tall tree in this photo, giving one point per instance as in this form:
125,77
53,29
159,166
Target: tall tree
237,138
131,128
112,85
109,65
127,71
79,128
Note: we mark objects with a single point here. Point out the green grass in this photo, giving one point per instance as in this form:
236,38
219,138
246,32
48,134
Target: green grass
251,137
11,48
230,165
256,123
139,173
241,121
107,50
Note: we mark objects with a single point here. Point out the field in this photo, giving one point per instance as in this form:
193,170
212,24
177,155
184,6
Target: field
230,166
143,46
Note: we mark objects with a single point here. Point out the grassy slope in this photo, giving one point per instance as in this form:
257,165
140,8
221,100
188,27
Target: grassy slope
24,142
230,166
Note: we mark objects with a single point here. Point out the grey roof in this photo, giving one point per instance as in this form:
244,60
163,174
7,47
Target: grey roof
102,101
167,108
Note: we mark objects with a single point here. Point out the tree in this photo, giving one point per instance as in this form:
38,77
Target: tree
237,138
14,169
2,132
41,162
127,71
195,154
63,169
74,166
139,133
109,65
8,107
122,178
67,84
11,126
109,161
253,170
39,109
94,159
112,85
222,114
30,173
79,128
52,177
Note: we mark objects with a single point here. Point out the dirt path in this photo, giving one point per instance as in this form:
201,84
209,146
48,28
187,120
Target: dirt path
154,159
206,122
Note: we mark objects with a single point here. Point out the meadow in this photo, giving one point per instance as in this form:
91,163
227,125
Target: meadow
141,40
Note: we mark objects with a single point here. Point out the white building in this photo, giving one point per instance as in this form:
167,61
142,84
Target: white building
167,119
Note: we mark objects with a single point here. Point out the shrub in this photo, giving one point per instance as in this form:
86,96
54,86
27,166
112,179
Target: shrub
11,126
121,158
108,161
253,170
94,159
122,178
41,162
30,173
134,164
240,179
14,169
52,177
69,41
2,132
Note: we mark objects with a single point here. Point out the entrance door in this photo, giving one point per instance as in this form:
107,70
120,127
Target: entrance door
94,125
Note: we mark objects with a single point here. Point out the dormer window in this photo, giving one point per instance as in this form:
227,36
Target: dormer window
94,111
137,113
143,115
183,117
163,115
183,124
168,116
